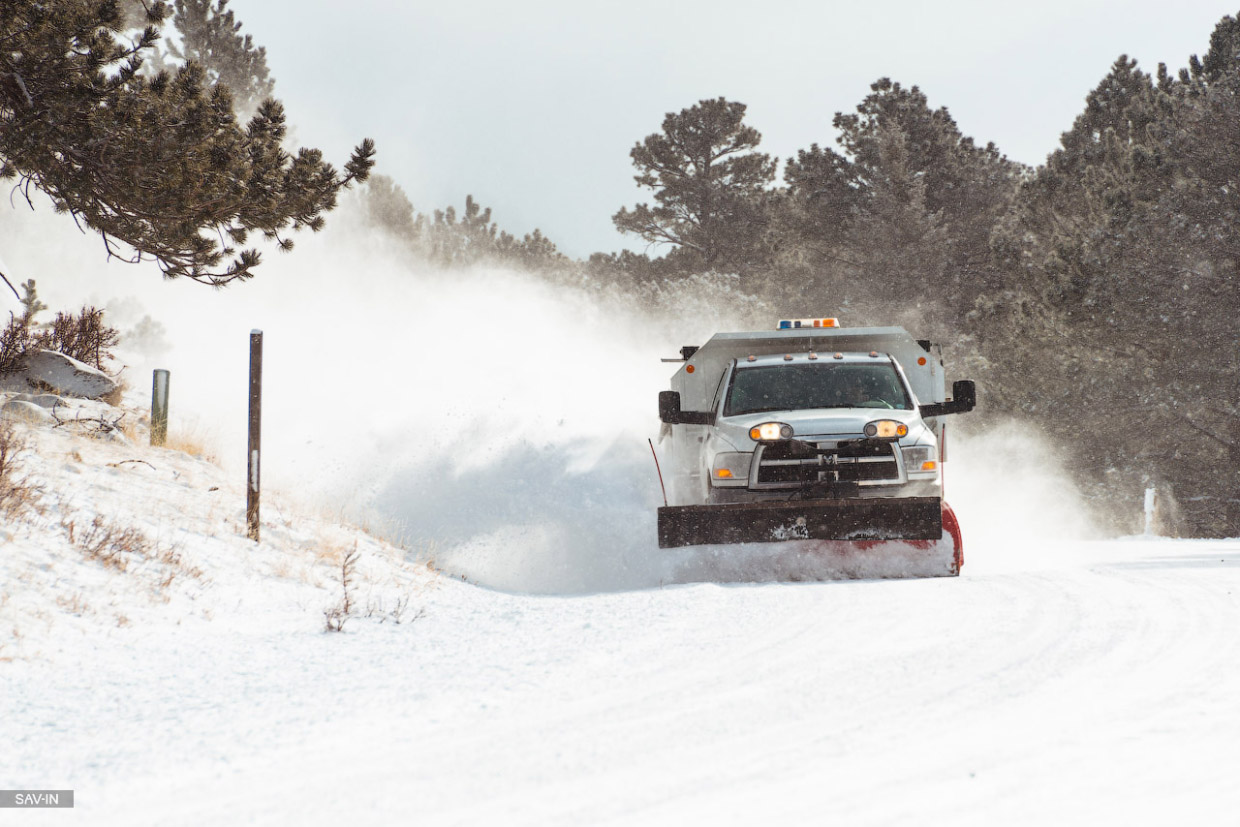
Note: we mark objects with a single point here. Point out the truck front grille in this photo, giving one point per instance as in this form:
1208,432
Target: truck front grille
791,465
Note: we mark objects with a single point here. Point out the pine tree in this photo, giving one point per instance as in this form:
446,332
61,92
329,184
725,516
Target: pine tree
211,36
710,187
899,246
387,207
966,188
1223,55
825,191
158,165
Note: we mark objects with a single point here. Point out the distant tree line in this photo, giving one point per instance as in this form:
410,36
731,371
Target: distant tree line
447,239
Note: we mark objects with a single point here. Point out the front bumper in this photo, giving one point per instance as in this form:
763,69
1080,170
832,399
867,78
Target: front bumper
908,518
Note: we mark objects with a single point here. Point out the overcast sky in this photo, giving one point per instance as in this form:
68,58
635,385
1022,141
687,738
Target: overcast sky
533,106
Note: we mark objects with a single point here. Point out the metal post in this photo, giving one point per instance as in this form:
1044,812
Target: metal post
159,406
255,442
1151,508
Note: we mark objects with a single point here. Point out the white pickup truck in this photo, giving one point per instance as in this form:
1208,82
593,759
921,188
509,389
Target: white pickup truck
810,431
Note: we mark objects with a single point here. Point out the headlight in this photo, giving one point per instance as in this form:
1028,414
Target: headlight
920,458
731,468
770,431
886,429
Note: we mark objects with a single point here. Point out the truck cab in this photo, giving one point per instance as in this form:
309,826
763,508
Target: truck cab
838,430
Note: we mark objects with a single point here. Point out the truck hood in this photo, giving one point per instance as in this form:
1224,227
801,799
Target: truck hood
822,422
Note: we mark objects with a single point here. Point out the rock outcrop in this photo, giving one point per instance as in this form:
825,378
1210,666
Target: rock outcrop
63,375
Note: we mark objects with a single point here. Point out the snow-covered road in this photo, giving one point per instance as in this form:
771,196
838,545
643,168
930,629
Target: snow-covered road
1099,687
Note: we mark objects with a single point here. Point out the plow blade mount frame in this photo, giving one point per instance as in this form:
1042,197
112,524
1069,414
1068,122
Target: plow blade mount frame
910,518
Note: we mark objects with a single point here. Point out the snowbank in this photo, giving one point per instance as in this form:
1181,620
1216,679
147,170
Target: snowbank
121,538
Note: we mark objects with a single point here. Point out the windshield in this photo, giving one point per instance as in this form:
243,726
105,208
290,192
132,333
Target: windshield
799,387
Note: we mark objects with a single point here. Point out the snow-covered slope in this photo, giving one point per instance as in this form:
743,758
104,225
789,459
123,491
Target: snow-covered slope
1054,682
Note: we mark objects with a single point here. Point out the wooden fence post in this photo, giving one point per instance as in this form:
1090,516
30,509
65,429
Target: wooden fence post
159,406
252,487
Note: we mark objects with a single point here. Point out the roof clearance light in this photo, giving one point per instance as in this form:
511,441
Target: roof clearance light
793,324
787,357
752,358
812,356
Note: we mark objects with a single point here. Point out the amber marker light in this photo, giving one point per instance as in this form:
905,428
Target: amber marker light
726,473
929,465
689,369
921,360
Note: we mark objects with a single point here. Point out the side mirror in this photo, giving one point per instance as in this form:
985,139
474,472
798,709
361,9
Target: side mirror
964,399
964,395
670,412
669,407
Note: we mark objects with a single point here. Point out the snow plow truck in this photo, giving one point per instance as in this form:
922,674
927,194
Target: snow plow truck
814,432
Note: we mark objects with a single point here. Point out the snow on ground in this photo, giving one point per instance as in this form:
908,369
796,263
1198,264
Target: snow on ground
1054,681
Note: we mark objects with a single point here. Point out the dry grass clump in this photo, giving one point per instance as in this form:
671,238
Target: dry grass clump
115,397
112,545
18,495
73,604
177,566
118,547
191,442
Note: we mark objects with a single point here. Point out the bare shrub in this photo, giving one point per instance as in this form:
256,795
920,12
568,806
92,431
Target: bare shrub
18,496
82,336
14,344
342,611
16,340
